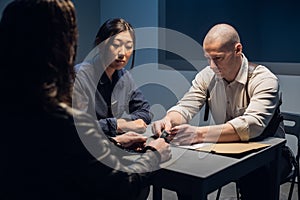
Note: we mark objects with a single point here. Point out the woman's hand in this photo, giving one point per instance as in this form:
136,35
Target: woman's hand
131,138
138,126
162,147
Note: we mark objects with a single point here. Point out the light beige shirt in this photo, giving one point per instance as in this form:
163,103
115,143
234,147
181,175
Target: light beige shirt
228,101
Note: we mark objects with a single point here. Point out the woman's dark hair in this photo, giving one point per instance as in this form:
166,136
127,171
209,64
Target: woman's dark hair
38,42
113,27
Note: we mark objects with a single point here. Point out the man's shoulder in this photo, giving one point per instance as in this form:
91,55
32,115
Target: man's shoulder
206,74
263,72
262,77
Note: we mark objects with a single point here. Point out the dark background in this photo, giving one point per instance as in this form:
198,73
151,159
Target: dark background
269,30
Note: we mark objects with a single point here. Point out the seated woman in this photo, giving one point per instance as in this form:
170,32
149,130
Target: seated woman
105,89
48,149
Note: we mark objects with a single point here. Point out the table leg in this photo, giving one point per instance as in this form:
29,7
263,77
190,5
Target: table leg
275,171
157,193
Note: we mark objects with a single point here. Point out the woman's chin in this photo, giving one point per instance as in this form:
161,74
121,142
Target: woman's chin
118,66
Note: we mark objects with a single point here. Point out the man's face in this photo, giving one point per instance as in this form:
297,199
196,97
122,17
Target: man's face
120,49
223,61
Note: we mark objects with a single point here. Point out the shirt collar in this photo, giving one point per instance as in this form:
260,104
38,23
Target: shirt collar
115,77
242,75
104,79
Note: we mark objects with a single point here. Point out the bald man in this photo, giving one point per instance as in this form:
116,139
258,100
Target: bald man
243,100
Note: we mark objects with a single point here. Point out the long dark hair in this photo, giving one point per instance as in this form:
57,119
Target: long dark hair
38,42
112,27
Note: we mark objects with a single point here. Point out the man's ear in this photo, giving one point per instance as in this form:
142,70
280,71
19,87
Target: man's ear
238,48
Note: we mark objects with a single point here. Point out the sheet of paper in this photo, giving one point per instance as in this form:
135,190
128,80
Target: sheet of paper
194,146
232,148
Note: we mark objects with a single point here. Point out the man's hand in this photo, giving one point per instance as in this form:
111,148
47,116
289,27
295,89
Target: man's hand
138,126
184,134
163,124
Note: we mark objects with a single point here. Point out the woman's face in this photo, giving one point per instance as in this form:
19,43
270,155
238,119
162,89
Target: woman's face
119,50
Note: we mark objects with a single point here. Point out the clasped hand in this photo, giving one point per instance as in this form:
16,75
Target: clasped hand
184,134
138,126
137,142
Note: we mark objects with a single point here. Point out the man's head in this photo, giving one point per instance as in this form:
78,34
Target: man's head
223,50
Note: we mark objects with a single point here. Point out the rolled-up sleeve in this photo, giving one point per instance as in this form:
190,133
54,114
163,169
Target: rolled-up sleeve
264,97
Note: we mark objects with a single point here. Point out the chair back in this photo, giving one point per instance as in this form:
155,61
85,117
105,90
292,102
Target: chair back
292,126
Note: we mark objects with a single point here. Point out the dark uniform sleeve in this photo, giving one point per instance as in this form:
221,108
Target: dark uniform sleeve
107,175
139,107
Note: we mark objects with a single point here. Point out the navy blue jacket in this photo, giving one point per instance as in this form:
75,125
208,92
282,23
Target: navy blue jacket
109,100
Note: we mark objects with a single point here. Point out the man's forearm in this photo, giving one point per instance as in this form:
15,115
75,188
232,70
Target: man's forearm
218,133
175,118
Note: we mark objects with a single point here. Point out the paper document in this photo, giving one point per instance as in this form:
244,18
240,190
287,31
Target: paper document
194,146
227,148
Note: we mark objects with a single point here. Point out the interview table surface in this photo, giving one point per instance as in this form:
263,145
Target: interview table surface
199,173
